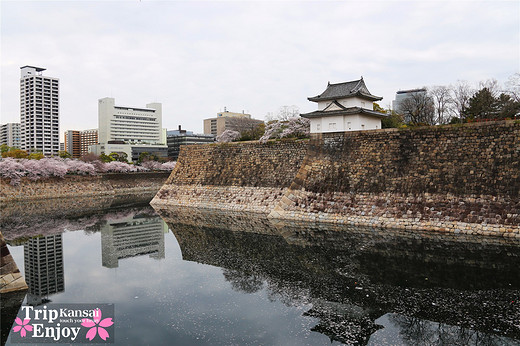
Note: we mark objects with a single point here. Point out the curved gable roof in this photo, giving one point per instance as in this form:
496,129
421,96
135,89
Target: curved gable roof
344,90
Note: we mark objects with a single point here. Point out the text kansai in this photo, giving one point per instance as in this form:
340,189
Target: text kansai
51,315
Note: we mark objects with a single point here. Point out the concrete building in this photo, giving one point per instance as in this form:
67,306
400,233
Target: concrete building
43,262
130,130
343,107
10,134
77,142
176,138
229,121
39,111
87,138
401,96
73,143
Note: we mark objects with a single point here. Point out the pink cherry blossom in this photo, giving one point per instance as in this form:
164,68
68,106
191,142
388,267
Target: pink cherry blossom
22,326
100,328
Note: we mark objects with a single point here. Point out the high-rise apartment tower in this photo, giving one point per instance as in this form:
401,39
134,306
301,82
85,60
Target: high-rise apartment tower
39,111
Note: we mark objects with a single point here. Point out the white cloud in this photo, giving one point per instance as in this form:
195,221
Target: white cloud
197,57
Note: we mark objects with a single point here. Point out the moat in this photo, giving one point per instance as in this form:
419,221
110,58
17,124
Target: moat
196,277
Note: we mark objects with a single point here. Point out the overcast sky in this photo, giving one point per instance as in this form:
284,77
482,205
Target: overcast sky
197,57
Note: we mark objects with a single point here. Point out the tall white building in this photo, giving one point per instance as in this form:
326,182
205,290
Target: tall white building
39,111
130,130
10,134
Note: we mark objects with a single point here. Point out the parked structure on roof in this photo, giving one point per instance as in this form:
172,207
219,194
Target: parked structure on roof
345,106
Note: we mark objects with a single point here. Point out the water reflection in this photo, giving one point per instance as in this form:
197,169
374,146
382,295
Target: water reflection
135,235
354,276
43,263
355,285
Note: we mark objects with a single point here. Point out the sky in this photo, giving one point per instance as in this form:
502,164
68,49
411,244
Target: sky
197,57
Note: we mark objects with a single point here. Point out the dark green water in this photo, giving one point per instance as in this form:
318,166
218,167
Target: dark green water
193,277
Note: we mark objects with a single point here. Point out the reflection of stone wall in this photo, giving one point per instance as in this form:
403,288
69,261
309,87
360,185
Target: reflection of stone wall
10,277
351,276
113,184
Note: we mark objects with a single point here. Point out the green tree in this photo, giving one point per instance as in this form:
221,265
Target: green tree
36,155
392,119
482,105
507,107
16,153
105,158
254,133
146,156
64,154
4,148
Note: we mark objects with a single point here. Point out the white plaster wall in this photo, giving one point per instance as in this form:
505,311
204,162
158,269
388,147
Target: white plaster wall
348,102
356,102
356,122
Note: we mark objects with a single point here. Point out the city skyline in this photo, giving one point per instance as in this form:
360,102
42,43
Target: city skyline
198,57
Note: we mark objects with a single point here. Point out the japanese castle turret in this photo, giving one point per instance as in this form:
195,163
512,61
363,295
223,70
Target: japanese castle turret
343,107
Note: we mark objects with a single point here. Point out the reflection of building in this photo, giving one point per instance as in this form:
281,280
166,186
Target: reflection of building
10,134
179,137
43,261
229,121
39,111
134,236
130,130
343,107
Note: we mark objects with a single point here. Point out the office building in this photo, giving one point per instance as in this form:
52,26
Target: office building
77,142
130,130
73,143
176,138
229,121
39,111
87,138
403,95
10,135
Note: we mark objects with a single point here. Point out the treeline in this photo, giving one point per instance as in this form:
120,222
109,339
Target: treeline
457,103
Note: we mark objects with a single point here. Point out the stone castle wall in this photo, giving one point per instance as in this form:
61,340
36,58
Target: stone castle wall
111,184
447,178
460,179
233,176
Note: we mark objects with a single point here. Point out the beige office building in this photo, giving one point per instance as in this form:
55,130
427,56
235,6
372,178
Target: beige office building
229,121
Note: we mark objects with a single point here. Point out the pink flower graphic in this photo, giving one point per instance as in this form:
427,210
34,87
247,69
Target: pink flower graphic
94,330
22,326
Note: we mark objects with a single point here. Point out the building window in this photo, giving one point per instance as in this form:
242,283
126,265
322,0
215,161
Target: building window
349,125
318,127
332,126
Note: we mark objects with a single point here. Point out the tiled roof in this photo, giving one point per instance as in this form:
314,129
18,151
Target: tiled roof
344,90
346,111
